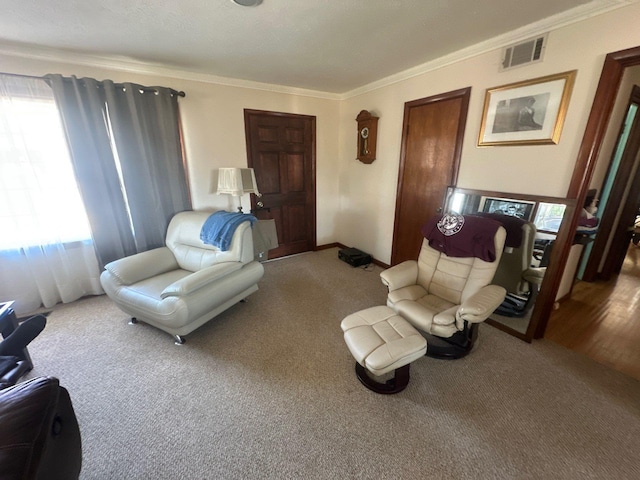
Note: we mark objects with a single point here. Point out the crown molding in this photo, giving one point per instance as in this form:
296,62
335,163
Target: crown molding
555,22
125,64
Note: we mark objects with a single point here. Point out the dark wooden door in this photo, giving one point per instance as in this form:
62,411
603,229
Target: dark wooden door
281,150
432,134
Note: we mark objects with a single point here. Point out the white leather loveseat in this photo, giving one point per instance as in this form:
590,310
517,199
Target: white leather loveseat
179,287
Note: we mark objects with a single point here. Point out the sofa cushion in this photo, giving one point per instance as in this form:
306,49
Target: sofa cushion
191,253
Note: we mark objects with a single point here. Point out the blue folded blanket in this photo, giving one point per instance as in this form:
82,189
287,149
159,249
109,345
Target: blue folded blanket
219,228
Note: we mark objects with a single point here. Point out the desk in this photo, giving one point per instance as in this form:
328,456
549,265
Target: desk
8,323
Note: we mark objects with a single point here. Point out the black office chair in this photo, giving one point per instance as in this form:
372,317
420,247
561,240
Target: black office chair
14,358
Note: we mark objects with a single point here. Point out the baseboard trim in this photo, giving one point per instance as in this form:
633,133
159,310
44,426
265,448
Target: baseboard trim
328,246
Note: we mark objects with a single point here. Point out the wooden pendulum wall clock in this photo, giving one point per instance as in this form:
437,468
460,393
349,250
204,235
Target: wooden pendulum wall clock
367,135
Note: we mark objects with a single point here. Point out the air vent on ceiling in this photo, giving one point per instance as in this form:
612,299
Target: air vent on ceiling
523,53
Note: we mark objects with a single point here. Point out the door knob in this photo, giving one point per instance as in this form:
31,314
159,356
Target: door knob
439,210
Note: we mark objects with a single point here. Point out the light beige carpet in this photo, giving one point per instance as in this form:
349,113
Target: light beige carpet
268,390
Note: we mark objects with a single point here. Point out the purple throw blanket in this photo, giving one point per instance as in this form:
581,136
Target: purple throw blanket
462,236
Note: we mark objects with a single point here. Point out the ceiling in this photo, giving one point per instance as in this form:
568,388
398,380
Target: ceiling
332,46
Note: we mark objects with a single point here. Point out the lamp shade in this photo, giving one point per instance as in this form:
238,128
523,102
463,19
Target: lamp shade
237,181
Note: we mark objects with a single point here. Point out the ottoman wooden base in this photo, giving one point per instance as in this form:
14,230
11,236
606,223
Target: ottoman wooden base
381,341
396,384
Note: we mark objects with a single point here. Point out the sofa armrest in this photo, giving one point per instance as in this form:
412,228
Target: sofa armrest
132,269
199,279
401,275
483,303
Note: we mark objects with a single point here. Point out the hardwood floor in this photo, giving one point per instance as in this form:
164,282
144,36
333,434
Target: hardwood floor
602,319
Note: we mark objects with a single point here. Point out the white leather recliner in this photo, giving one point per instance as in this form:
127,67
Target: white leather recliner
179,287
446,297
515,273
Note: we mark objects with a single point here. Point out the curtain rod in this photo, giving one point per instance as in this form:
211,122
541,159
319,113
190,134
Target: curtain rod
145,89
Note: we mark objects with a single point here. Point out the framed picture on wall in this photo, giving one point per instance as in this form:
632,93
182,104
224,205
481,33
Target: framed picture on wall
506,206
526,113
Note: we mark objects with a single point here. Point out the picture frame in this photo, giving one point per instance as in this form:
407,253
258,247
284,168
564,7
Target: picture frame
507,206
531,112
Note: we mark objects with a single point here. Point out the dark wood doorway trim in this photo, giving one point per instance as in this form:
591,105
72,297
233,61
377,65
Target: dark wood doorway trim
620,182
595,131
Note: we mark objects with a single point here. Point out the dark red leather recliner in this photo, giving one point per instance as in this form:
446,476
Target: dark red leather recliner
39,432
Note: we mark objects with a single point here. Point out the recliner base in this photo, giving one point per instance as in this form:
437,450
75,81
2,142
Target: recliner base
456,346
519,305
514,306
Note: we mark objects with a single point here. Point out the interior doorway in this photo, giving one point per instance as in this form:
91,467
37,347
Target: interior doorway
606,322
595,132
281,148
432,133
618,197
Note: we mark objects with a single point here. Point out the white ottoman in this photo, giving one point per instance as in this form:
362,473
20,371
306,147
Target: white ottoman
381,341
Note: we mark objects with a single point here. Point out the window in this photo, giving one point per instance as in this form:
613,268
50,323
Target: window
39,199
549,216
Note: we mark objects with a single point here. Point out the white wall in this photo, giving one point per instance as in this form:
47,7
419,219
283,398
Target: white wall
356,202
368,192
213,122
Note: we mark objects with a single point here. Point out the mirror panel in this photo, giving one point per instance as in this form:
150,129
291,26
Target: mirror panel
522,269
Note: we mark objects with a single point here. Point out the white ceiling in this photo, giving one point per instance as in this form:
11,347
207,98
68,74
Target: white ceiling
332,46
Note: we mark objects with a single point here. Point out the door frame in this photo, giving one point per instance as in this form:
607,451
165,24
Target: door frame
594,134
619,246
312,221
464,94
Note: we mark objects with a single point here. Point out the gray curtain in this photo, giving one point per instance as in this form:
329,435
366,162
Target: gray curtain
126,151
145,127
